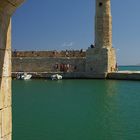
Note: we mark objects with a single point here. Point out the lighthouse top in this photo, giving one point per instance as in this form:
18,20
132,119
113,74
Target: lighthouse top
103,24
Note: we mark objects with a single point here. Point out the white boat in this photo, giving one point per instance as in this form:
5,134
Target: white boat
56,77
24,76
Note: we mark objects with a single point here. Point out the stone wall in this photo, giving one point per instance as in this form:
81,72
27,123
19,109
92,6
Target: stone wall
96,60
48,64
112,63
103,24
101,58
5,80
124,75
66,53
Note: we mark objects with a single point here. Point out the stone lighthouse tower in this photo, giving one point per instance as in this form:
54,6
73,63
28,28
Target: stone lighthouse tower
100,57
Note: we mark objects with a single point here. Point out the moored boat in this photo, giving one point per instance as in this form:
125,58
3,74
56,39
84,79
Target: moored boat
56,77
24,76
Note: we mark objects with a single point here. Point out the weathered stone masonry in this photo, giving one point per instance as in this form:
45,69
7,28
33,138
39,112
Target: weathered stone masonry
48,61
7,7
102,59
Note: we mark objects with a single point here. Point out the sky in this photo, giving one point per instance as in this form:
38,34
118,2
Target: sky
69,24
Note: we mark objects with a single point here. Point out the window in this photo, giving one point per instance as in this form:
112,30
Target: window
100,4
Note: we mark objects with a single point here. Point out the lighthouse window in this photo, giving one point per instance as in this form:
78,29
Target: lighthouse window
100,4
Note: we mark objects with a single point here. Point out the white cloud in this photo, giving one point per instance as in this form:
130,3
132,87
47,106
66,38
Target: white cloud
67,44
118,49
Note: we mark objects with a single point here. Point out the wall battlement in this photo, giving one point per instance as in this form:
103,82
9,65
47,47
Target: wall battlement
66,53
48,61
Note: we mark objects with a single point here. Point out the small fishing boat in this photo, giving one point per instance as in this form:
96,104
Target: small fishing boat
24,76
56,77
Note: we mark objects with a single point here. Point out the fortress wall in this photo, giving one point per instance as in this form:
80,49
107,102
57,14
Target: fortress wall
48,64
112,64
96,60
67,53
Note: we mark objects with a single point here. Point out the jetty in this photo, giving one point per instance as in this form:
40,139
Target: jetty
119,75
124,75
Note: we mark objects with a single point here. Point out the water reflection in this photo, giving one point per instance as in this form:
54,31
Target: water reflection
76,110
110,112
114,111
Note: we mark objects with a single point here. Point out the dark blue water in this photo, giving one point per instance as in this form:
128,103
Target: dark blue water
76,110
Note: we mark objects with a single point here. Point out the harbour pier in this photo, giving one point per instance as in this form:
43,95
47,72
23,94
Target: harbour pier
120,75
124,75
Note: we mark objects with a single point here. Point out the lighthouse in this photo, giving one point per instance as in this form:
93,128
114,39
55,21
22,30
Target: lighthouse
103,24
101,57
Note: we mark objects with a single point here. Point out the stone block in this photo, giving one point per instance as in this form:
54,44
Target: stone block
0,124
9,6
5,63
5,92
16,3
100,60
45,64
6,122
8,137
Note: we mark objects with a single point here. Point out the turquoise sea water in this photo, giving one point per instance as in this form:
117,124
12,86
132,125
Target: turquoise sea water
76,110
131,68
